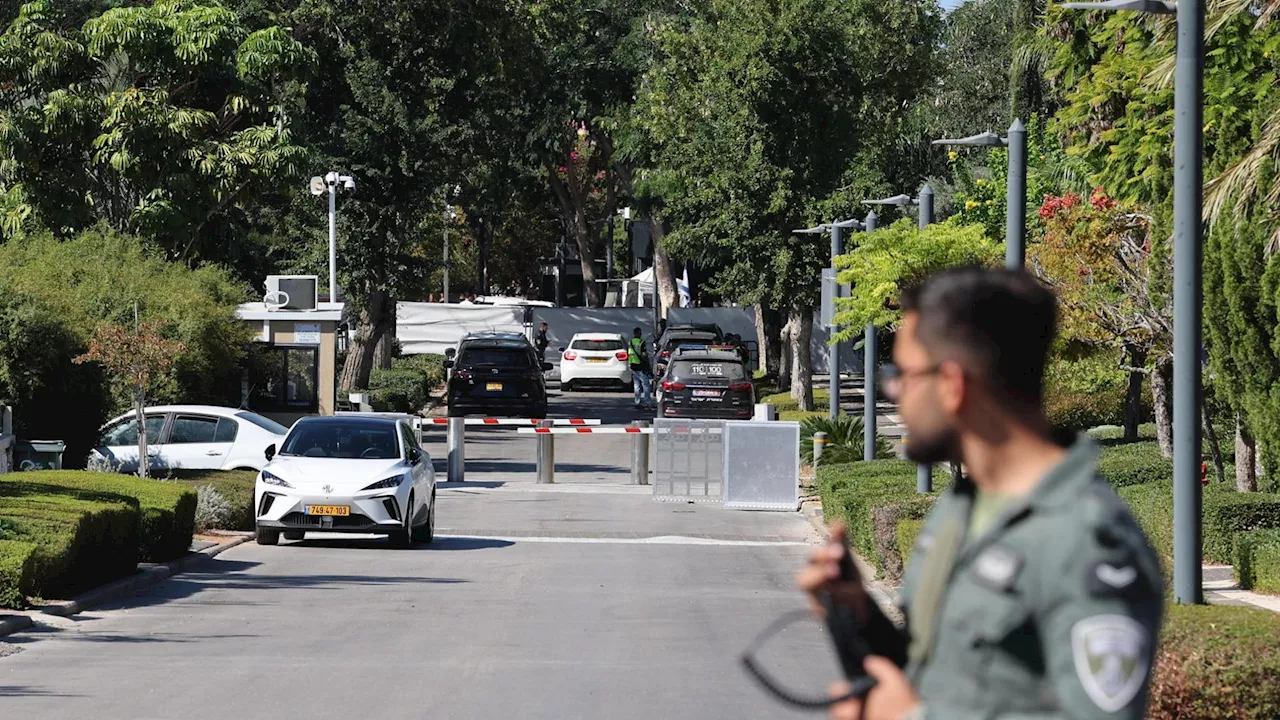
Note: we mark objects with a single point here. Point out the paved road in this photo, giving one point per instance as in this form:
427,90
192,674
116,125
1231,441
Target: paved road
582,600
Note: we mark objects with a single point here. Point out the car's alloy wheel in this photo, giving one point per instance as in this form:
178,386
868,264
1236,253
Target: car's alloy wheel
426,533
266,536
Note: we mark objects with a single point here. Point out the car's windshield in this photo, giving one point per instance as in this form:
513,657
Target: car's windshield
350,440
265,423
597,344
709,369
495,357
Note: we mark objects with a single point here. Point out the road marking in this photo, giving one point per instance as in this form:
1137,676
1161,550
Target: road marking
658,540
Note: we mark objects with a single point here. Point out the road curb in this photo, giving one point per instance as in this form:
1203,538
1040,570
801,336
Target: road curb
121,588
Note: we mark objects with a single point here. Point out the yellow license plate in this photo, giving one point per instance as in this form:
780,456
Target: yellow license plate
340,510
493,386
597,360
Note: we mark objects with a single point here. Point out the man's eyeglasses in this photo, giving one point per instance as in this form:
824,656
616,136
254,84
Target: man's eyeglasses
891,378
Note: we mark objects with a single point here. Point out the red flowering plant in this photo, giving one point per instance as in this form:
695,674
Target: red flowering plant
581,171
1096,254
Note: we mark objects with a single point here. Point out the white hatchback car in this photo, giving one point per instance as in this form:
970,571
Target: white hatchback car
347,474
190,437
599,358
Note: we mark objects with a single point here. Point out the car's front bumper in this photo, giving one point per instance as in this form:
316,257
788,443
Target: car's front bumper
370,512
707,413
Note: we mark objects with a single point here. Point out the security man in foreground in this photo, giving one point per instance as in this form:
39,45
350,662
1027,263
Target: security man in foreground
1031,591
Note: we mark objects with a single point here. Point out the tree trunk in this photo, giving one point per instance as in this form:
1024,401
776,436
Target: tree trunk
375,318
762,339
139,404
663,274
801,359
784,357
1246,458
1136,357
386,344
1162,398
772,342
1211,434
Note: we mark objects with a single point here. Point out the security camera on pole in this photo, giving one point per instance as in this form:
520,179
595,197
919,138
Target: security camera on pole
331,182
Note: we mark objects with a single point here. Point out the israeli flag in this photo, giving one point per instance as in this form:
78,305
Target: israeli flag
683,287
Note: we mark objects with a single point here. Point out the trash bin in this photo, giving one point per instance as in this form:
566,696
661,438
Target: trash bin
38,454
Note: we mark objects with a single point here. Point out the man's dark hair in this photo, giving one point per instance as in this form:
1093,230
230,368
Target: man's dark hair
544,324
636,333
1001,321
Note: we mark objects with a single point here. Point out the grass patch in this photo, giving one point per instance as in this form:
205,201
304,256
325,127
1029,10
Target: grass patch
783,402
167,510
1217,662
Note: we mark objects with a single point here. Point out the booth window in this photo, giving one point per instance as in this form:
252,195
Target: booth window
286,379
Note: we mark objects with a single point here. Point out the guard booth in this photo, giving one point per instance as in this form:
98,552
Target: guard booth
293,372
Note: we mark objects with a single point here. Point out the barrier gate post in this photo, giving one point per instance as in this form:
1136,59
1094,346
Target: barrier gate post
819,445
457,456
640,455
546,455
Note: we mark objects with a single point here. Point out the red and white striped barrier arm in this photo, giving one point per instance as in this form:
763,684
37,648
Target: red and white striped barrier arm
526,422
586,431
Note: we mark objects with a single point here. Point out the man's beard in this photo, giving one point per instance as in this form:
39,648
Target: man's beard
941,446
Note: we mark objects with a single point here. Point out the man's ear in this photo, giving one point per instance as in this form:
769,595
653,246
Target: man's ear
953,387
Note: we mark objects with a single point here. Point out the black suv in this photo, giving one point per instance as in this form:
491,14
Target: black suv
677,336
497,376
707,382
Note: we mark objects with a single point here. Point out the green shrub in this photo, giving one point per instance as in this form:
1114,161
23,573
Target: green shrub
82,538
908,531
168,511
884,521
1226,514
431,367
783,402
236,486
851,491
844,439
1217,662
397,391
1134,464
1257,560
17,560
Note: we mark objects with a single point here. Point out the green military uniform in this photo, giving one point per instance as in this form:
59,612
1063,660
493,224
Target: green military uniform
1052,611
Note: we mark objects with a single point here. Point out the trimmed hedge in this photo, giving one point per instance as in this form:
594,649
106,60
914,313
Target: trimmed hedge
82,539
1257,560
234,485
397,391
907,532
168,511
1134,464
783,402
852,490
1217,662
1226,513
17,560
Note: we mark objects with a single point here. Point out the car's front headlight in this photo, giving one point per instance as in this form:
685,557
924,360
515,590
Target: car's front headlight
270,479
391,482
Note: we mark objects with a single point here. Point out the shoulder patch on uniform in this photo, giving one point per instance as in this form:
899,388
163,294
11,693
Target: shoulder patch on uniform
1110,658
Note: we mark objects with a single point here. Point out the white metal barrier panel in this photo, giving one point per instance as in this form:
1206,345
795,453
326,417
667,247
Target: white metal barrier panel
688,460
761,465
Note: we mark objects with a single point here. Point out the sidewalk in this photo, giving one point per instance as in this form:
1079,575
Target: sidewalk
1220,588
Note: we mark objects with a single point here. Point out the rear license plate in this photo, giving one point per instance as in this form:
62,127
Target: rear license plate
597,360
340,510
706,393
493,386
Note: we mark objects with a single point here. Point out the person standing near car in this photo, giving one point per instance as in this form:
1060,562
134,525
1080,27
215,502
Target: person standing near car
1031,592
639,365
541,342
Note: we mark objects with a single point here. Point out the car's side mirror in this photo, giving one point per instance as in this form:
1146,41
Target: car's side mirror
414,456
450,352
448,364
270,453
547,366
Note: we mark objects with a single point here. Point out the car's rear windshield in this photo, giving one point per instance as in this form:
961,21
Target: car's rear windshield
495,357
679,342
603,345
352,440
709,369
265,423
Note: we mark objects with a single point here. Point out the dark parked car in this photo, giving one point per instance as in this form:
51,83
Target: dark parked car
678,336
498,377
707,382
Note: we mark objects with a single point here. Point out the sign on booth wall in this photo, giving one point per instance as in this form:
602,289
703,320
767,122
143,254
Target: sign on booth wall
306,333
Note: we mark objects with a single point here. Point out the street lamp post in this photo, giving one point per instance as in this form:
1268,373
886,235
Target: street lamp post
1015,227
450,214
833,363
319,185
1188,298
924,471
869,353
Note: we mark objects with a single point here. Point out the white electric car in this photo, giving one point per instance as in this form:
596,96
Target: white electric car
347,474
597,358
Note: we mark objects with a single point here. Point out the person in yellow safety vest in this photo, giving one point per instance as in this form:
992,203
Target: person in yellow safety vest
641,374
